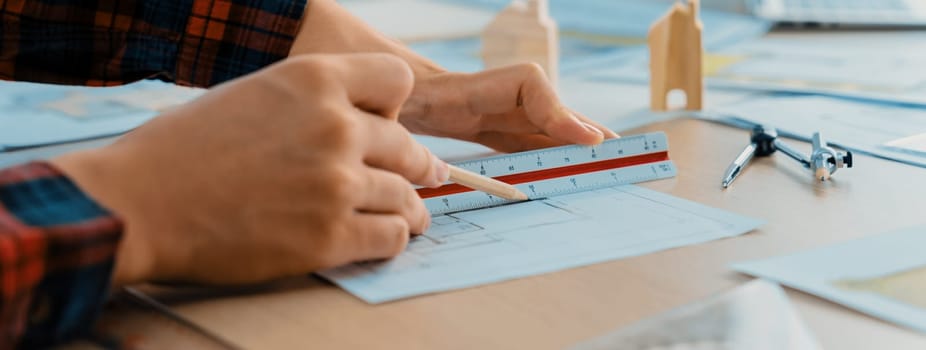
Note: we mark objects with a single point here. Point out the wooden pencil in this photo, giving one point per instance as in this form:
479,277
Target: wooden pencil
485,184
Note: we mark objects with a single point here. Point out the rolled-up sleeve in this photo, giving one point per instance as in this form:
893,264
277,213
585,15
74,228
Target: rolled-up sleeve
111,42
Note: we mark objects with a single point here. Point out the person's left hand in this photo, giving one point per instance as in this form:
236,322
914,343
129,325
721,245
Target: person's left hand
509,109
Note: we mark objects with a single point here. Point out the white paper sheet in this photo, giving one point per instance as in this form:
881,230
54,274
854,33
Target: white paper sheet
883,276
483,246
755,316
861,127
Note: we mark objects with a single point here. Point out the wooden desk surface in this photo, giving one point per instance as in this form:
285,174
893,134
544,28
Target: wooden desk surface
559,309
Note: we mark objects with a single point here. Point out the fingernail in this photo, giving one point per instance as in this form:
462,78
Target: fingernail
591,128
441,171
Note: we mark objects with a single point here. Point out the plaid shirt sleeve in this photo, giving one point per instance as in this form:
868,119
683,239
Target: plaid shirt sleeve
110,42
57,249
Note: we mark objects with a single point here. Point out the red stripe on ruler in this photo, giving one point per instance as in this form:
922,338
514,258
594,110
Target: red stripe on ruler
552,173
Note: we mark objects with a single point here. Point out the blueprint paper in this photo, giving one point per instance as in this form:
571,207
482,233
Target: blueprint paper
36,114
877,66
633,18
477,247
869,128
595,32
915,144
591,31
755,316
8,159
883,276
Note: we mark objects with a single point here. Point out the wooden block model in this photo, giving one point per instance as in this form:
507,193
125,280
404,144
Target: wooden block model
675,57
522,32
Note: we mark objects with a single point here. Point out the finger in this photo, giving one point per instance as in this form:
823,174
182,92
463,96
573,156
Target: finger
375,82
377,236
608,133
525,86
389,146
507,142
389,193
512,122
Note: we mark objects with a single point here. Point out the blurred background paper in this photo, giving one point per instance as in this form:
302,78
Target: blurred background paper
412,21
883,275
38,114
756,316
882,66
870,128
592,32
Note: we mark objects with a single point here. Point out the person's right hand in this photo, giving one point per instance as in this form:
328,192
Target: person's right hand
296,168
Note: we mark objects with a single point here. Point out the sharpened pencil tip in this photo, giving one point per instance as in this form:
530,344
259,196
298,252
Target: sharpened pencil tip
822,173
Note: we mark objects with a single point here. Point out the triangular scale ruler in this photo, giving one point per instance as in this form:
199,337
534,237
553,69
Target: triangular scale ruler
560,170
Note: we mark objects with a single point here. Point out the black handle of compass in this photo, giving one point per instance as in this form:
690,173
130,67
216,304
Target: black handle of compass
764,139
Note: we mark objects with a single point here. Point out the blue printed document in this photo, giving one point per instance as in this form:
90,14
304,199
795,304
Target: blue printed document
477,247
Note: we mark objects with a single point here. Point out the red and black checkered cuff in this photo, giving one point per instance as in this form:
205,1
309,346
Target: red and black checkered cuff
57,250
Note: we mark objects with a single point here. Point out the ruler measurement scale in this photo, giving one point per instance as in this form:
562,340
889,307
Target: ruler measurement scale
560,170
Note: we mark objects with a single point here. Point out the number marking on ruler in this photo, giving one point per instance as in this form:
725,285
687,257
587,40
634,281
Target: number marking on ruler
560,170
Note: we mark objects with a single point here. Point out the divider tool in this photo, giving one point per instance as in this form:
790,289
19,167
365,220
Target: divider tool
559,170
763,142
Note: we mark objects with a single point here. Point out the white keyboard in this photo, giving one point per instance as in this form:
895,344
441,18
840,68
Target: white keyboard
844,12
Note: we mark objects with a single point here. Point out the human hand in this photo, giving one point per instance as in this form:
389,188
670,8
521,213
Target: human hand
296,168
509,109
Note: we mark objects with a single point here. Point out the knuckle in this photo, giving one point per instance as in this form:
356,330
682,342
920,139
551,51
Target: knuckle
402,197
413,208
419,206
419,219
342,184
399,71
401,238
424,165
330,243
405,162
397,187
408,197
308,70
300,82
334,185
327,252
326,219
415,162
338,130
532,69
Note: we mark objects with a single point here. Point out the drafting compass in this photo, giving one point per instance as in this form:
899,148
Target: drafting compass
823,161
